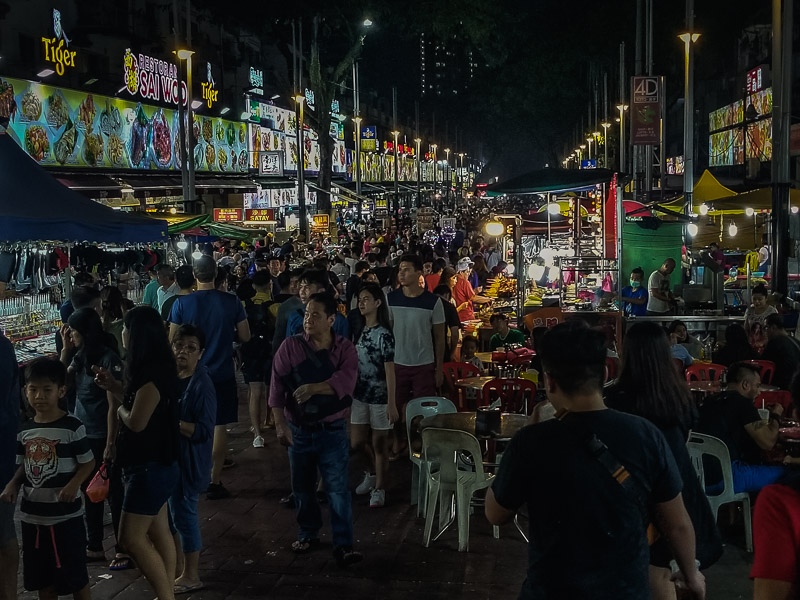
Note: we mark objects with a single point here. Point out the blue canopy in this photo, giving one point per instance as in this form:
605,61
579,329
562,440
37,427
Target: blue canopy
34,206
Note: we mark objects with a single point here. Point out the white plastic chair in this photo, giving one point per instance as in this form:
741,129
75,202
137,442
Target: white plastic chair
422,407
442,446
700,445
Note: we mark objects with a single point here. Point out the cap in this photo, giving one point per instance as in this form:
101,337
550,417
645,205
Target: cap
464,264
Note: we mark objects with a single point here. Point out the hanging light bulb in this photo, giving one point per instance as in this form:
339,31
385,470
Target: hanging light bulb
703,208
733,229
692,229
182,245
749,211
197,254
553,208
795,209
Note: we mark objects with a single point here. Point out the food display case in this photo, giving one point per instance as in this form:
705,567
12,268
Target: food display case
587,283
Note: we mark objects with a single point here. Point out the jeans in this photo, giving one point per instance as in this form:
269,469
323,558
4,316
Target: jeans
751,478
183,517
326,451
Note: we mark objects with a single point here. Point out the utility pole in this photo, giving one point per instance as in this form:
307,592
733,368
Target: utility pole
689,39
781,107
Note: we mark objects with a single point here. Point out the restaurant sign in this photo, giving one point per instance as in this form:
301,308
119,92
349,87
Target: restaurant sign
270,163
646,115
257,80
320,223
152,78
227,214
56,49
259,215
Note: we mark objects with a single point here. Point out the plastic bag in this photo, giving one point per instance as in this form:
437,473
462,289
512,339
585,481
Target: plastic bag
97,490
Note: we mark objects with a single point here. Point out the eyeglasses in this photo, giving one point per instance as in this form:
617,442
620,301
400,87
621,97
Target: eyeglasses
189,348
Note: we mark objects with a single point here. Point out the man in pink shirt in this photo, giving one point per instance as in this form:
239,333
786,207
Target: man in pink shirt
313,379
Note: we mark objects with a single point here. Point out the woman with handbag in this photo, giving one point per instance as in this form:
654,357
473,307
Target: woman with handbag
649,386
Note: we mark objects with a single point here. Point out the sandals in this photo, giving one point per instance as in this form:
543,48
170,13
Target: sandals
121,562
304,546
346,556
182,588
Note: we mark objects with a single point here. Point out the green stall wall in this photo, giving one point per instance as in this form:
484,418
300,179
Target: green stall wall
649,248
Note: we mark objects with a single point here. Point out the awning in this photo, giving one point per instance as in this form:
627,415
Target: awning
90,184
552,180
707,189
225,183
142,183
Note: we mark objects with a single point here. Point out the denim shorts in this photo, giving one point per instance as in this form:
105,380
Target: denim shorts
148,486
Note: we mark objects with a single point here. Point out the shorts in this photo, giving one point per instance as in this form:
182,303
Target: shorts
55,556
256,369
148,486
7,531
227,401
374,415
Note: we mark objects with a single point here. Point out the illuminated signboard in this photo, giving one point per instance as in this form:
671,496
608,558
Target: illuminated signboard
56,49
257,80
310,102
65,128
227,214
369,138
259,215
152,78
270,163
320,222
210,95
755,80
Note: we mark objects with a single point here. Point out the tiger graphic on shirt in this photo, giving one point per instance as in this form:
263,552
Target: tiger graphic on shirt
41,460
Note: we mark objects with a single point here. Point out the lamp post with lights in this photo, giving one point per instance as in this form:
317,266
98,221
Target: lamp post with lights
418,141
447,174
357,124
301,166
435,172
589,140
622,108
396,203
605,125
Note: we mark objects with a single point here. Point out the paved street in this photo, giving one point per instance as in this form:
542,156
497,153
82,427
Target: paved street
247,536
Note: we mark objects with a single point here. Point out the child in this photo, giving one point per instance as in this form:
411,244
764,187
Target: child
469,346
54,459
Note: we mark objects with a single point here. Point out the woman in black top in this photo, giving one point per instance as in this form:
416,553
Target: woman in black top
147,445
649,386
737,347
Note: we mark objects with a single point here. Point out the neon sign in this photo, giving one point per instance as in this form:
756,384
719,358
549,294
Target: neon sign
256,78
210,95
58,54
152,78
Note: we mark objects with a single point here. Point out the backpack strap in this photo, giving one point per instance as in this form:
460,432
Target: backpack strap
310,354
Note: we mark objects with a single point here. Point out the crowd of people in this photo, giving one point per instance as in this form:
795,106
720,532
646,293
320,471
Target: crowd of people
332,343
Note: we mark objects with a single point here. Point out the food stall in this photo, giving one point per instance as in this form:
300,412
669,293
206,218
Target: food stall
51,212
566,259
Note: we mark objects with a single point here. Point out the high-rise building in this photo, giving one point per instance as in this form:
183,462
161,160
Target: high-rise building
447,66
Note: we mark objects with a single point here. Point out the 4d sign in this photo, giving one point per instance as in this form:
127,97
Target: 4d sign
56,49
210,95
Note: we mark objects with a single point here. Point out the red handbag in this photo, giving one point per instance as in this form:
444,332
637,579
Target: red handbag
97,490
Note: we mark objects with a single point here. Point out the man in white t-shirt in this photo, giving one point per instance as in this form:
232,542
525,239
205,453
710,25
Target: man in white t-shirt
418,356
660,300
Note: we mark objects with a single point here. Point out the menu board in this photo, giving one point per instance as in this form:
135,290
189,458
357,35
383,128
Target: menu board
67,128
276,197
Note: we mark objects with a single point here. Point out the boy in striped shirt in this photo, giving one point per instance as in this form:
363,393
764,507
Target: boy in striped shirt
54,460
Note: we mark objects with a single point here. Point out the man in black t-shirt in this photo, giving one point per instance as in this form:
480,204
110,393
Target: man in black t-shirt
452,324
733,417
587,525
783,350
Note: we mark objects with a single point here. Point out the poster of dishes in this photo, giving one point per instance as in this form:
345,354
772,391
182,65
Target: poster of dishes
66,128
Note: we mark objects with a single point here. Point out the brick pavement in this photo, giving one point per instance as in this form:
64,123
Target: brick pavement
246,539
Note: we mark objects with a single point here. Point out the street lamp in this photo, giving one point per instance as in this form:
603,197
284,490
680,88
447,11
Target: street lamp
605,125
435,174
582,147
365,24
301,166
461,177
447,175
187,152
418,141
396,188
589,140
357,125
622,108
689,40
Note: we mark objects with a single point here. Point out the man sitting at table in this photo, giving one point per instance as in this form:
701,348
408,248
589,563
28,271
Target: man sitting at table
503,334
733,417
596,549
782,349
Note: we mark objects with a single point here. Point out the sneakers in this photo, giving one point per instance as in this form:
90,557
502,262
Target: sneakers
366,485
346,556
258,442
377,498
217,491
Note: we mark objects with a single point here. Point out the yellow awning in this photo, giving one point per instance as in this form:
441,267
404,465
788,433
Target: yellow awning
707,189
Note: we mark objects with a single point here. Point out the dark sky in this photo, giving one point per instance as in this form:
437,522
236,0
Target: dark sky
541,54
